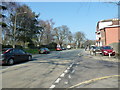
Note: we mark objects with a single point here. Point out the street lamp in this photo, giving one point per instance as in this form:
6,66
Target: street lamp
15,28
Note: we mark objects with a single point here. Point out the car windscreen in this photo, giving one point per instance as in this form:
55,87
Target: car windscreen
47,49
97,47
94,47
107,47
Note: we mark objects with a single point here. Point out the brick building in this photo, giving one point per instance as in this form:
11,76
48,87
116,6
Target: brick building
108,33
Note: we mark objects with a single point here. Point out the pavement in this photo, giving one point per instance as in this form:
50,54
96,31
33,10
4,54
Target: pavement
100,57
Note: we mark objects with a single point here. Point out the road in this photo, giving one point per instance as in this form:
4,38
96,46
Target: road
61,69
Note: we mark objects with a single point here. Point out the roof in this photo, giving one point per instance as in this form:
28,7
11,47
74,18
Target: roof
108,23
110,27
114,19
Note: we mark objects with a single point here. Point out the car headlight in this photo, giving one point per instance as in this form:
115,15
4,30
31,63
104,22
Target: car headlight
105,51
113,51
1,57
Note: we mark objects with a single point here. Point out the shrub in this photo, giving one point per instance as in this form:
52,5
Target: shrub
18,46
32,51
7,46
52,45
31,45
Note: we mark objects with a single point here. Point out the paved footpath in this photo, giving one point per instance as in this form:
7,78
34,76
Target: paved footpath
100,57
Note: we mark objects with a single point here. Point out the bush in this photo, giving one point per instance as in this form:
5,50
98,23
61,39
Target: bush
31,45
32,51
18,46
52,45
7,46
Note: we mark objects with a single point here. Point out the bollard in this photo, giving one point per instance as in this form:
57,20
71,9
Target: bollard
109,55
95,53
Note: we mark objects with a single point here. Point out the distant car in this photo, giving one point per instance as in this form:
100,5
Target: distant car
44,51
11,56
68,47
106,50
95,50
63,48
58,49
92,49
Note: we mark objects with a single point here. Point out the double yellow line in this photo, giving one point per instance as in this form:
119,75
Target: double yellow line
93,80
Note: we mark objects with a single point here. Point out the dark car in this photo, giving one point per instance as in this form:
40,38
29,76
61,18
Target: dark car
63,48
95,50
106,50
44,50
11,56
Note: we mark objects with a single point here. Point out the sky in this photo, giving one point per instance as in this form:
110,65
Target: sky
78,16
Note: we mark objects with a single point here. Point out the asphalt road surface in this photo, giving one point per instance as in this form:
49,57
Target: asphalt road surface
61,69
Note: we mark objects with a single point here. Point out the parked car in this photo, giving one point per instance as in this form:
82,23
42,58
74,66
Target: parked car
63,48
95,50
106,50
44,50
58,49
11,56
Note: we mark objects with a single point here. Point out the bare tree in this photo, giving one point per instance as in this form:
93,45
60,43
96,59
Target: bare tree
11,9
61,34
79,38
44,35
70,37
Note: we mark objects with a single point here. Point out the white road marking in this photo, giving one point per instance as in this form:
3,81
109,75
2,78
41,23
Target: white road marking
62,75
57,81
66,82
73,71
65,71
71,65
53,86
69,76
68,68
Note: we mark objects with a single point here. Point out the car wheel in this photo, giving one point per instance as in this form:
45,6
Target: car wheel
10,61
103,54
29,58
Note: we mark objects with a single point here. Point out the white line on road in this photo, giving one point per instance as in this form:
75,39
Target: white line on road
71,65
68,68
57,81
53,86
62,75
73,71
69,76
65,71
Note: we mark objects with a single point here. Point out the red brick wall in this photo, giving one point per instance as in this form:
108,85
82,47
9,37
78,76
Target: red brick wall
112,35
103,37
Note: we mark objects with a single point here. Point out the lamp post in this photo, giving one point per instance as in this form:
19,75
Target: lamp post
14,41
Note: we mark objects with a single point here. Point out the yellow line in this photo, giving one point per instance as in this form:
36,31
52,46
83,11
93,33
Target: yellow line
93,80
